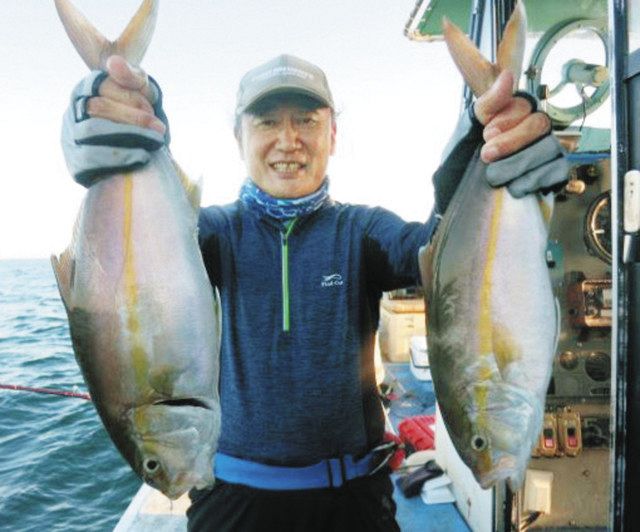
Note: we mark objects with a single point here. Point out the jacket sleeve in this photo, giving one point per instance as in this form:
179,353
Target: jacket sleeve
466,139
393,244
392,247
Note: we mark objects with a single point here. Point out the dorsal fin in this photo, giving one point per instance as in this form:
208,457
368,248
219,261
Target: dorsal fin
64,270
546,203
193,189
478,72
94,48
64,265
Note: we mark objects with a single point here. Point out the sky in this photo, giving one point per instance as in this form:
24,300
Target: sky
397,100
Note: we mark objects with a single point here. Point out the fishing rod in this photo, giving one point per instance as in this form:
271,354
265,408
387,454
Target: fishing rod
48,391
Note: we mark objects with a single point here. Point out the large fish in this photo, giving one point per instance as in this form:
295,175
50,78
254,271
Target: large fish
141,309
491,314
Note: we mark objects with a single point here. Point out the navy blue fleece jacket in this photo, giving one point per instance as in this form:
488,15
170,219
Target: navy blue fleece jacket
300,311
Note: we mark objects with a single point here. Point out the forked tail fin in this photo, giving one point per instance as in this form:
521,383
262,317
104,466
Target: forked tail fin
477,71
94,48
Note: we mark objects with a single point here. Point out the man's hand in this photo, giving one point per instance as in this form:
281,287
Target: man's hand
519,150
509,122
126,97
113,123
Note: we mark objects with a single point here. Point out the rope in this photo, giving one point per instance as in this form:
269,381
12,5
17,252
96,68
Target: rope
49,391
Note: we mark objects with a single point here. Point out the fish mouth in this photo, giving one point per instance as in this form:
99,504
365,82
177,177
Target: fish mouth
184,401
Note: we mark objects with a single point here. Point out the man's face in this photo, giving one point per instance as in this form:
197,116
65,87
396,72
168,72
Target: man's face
286,148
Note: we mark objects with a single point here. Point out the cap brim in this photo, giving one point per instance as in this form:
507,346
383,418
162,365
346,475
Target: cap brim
286,89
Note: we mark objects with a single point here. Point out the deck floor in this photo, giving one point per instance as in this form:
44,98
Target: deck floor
412,397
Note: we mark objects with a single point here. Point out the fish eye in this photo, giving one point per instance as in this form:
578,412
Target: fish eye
478,443
151,466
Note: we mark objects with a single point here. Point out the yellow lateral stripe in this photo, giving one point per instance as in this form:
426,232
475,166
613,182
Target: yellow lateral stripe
485,328
484,321
138,355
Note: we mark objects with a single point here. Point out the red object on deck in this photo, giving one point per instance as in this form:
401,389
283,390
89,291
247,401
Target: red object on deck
399,455
417,432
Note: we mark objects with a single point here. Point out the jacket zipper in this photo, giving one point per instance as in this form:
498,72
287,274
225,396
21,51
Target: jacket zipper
284,240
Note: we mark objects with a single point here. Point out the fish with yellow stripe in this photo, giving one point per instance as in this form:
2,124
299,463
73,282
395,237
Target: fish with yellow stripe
142,312
491,315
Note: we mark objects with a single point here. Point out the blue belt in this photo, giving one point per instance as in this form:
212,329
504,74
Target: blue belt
329,473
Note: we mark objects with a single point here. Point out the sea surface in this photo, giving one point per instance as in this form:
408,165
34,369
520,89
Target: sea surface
59,470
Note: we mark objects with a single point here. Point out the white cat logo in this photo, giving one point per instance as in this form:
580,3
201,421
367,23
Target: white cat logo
334,279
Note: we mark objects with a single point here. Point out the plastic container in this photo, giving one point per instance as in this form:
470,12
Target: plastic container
420,358
400,320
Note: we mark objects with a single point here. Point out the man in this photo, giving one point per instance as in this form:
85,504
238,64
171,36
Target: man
300,278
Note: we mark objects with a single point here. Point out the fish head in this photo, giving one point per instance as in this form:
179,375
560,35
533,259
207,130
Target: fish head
496,432
173,444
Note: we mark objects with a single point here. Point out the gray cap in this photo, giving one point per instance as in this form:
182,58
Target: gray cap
283,74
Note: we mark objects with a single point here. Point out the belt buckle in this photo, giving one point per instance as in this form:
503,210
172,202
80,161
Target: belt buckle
337,472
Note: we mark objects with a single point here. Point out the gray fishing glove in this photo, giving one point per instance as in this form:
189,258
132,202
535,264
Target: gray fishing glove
96,147
540,167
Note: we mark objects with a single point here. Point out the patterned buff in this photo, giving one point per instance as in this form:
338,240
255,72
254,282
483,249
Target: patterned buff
279,208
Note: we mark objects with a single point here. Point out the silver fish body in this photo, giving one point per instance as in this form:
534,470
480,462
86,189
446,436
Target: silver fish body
492,321
492,325
144,327
142,313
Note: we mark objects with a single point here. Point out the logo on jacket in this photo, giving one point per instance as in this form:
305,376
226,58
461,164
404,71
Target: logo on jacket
334,279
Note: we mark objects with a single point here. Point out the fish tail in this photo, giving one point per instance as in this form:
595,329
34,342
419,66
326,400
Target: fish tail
94,48
511,48
478,72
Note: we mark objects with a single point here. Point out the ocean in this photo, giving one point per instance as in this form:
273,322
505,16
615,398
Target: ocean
59,470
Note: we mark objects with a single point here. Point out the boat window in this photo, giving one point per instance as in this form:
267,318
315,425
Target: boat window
566,65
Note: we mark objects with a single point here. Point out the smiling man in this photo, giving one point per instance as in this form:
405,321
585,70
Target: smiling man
285,126
300,278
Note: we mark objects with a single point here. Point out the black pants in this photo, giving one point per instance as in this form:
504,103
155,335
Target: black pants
363,504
